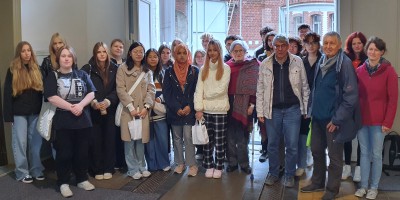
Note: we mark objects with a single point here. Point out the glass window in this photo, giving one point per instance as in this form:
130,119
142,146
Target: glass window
317,24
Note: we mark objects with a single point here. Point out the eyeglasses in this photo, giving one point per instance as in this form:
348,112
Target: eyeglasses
238,51
280,46
138,52
311,43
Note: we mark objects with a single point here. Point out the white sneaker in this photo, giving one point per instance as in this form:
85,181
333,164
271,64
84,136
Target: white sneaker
372,193
146,174
167,168
137,176
107,176
99,177
360,192
299,172
346,172
357,174
65,191
86,185
310,160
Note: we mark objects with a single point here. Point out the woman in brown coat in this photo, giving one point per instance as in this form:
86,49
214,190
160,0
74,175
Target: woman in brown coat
135,105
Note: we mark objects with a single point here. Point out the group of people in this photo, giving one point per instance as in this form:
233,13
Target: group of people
287,85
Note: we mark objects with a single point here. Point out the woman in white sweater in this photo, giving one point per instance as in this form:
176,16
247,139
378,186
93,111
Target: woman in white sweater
211,102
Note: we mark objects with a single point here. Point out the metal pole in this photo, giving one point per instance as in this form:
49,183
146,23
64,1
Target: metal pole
240,23
287,18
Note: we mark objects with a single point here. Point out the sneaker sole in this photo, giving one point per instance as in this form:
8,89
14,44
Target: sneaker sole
27,181
309,191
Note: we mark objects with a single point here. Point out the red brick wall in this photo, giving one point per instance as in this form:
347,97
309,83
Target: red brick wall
257,14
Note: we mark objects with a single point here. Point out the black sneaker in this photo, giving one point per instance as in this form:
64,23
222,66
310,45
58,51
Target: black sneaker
27,179
312,188
40,178
263,157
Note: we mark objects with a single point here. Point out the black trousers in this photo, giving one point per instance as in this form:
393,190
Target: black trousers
72,147
102,146
119,149
320,140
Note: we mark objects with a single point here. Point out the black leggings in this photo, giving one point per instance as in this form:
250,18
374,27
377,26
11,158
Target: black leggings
348,148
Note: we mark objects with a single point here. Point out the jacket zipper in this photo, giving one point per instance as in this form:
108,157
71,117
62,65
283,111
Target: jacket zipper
281,86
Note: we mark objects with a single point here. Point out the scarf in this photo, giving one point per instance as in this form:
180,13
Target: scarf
327,63
181,68
372,69
246,86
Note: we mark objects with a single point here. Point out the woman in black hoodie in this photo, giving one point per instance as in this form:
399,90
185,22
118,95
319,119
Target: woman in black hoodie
23,90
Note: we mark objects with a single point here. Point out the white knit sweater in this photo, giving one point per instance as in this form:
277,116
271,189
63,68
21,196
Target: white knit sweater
211,96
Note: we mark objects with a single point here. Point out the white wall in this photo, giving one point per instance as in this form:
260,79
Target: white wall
81,22
379,18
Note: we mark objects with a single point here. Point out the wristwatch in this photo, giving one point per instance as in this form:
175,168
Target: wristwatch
147,107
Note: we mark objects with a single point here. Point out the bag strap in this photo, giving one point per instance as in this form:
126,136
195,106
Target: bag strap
136,83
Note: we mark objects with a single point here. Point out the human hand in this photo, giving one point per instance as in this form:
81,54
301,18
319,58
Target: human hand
186,110
180,112
331,127
261,119
143,113
76,109
250,110
134,113
385,130
199,115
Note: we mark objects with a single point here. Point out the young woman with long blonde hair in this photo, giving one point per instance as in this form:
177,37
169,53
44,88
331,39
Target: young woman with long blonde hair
211,102
23,89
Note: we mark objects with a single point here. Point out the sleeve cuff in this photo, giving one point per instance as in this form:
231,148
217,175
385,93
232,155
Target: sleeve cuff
108,102
130,107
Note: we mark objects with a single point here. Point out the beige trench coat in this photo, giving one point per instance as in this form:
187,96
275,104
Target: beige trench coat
144,93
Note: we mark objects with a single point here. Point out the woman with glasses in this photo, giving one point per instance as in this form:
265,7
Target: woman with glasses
135,106
242,98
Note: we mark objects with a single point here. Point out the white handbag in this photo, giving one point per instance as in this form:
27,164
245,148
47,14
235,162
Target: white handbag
135,128
199,132
120,106
45,120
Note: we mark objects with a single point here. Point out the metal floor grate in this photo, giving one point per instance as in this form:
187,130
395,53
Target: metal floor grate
153,182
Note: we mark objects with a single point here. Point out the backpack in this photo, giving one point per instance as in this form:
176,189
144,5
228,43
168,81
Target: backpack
391,152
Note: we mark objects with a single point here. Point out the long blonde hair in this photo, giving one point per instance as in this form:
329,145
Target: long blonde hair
220,66
25,77
53,51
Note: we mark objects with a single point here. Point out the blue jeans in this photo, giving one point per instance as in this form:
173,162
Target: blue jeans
371,144
134,157
302,153
284,123
156,150
26,139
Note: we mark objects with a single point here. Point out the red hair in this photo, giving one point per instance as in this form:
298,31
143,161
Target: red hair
348,49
